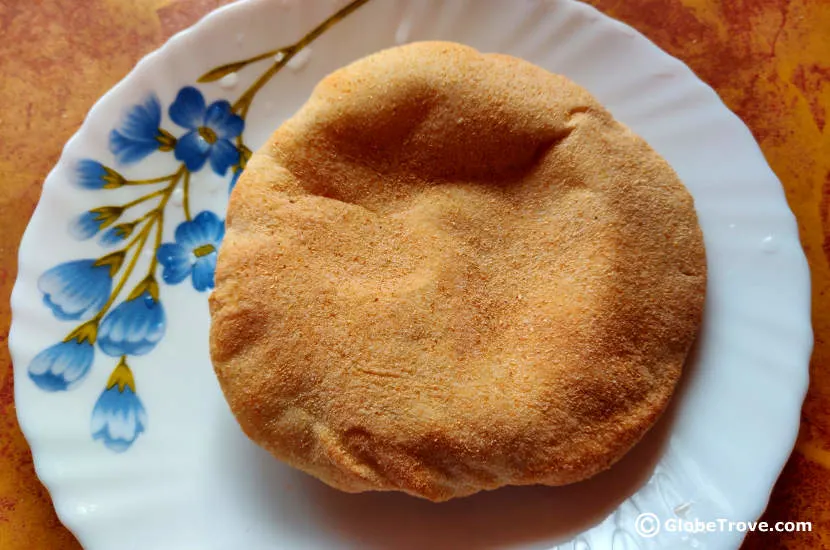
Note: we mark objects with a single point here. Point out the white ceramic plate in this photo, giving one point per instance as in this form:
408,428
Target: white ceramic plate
131,434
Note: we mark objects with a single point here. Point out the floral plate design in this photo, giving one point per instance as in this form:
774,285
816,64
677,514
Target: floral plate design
82,290
113,382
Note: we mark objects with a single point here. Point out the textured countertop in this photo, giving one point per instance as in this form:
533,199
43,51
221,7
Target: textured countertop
768,59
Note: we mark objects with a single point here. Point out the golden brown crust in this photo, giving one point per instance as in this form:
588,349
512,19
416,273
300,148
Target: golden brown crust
450,272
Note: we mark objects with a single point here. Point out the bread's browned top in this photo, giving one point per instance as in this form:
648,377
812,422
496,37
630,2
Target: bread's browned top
450,272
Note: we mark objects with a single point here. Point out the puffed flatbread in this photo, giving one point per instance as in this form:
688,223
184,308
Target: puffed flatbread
451,272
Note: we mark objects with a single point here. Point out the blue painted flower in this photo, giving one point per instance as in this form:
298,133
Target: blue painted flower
140,133
211,129
136,325
194,252
63,365
94,175
119,417
89,223
79,289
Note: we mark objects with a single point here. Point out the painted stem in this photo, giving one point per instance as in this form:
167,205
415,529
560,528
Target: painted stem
242,104
186,192
155,217
146,197
151,180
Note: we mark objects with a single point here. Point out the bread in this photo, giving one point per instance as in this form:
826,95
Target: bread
451,272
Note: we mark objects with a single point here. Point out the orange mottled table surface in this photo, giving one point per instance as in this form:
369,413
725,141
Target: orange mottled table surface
768,59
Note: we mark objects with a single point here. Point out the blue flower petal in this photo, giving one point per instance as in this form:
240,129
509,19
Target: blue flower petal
203,229
196,232
118,418
49,382
189,254
90,174
218,233
75,290
223,155
142,121
236,173
223,121
193,150
137,136
61,366
86,225
127,150
203,271
58,311
134,327
176,262
112,236
188,110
